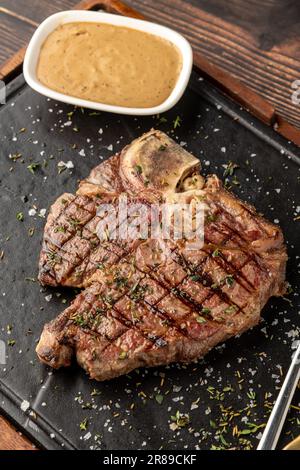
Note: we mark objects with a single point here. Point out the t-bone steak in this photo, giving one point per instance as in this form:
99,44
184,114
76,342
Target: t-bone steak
155,301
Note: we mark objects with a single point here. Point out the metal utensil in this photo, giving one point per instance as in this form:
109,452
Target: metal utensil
277,418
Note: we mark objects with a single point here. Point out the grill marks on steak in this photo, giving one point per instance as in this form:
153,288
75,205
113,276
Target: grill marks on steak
153,302
72,250
120,313
132,306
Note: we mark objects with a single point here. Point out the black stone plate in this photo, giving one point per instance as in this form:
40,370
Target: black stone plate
238,381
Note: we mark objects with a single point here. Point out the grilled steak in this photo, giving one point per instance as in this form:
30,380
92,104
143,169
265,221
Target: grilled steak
155,301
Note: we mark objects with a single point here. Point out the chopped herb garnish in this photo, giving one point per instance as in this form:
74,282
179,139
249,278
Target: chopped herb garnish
195,277
211,217
11,342
163,120
15,157
253,428
162,148
180,420
159,399
120,281
84,425
100,311
33,167
87,406
61,168
60,229
235,181
216,253
138,169
244,432
123,355
53,257
230,168
229,280
138,292
20,216
200,319
227,184
251,395
108,300
222,440
74,222
79,320
231,309
205,311
177,122
289,290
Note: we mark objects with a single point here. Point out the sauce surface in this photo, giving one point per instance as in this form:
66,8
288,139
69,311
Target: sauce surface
109,64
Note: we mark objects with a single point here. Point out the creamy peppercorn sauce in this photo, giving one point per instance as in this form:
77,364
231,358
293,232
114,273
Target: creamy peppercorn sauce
109,64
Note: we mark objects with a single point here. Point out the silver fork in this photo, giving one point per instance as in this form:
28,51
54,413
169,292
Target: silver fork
277,418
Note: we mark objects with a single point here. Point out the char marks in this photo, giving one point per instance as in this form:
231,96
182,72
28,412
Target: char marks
151,302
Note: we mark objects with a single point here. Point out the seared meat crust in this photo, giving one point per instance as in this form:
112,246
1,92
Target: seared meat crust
152,302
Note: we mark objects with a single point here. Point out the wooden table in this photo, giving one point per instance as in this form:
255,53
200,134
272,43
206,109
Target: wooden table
257,41
10,439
